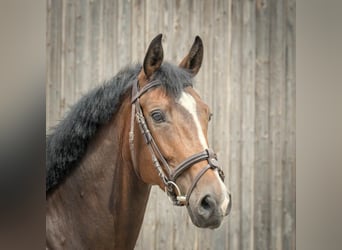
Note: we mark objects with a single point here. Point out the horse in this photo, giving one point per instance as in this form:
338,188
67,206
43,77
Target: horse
145,126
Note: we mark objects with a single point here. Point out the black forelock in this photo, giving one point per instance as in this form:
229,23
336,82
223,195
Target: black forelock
173,79
68,142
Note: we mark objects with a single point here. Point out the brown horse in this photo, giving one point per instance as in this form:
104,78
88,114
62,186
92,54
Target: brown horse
146,126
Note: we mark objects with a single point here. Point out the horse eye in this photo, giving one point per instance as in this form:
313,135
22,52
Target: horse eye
210,116
158,116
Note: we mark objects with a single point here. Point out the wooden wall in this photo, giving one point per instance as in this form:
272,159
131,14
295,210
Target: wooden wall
247,77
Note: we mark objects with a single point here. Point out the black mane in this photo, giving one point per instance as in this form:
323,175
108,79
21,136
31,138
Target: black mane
68,142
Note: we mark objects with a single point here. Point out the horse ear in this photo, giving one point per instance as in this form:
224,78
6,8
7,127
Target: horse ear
193,61
154,56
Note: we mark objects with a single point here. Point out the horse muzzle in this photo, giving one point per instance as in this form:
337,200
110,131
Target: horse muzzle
209,211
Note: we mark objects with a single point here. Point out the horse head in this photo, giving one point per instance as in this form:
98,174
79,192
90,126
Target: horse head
171,149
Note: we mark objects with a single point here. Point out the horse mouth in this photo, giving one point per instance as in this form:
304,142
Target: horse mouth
211,224
201,221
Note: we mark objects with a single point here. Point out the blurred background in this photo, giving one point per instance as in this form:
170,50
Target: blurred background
247,78
22,123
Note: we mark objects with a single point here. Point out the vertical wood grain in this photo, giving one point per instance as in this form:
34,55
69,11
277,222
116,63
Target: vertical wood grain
248,118
235,119
68,50
262,141
54,39
277,119
289,158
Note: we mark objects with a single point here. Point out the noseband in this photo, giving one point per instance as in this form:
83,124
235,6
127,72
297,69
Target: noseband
169,179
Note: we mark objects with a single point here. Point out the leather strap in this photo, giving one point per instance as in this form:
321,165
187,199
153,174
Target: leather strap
188,163
143,90
194,183
131,143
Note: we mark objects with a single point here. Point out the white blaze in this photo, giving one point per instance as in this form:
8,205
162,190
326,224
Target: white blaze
189,103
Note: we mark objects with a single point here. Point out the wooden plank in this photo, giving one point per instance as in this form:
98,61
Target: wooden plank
62,83
54,61
227,79
147,237
248,122
277,119
116,34
101,48
235,125
82,68
164,222
289,168
138,35
49,108
207,24
124,34
152,21
262,165
94,33
198,26
177,37
109,36
107,65
68,44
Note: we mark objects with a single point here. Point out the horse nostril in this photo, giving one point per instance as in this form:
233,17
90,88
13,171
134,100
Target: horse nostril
208,204
205,202
207,212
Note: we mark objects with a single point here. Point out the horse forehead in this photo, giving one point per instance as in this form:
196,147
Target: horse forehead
157,96
189,103
188,99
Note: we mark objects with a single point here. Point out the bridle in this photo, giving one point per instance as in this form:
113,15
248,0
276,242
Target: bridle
169,179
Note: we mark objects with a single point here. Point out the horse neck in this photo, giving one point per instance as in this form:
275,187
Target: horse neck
106,197
127,205
129,194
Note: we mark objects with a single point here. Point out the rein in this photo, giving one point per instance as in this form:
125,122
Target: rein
169,178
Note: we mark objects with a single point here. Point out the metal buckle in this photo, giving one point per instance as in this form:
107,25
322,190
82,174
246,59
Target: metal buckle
174,197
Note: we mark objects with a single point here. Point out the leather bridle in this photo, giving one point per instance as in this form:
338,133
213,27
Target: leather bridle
169,179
